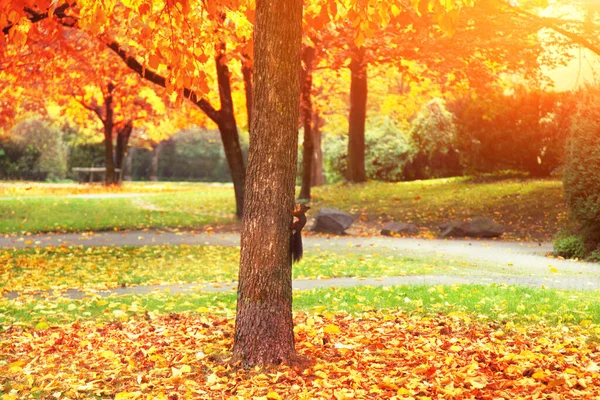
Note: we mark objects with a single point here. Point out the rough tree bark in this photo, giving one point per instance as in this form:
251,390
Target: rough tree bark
358,112
308,54
264,326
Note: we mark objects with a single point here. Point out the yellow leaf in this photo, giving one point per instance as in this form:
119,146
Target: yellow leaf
403,392
186,369
273,395
553,270
107,354
42,325
16,366
538,375
125,396
331,329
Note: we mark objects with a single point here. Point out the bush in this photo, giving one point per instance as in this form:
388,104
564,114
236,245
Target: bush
18,161
570,246
434,135
43,150
388,152
581,175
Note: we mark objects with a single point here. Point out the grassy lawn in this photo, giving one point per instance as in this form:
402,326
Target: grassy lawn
190,207
493,303
532,209
110,267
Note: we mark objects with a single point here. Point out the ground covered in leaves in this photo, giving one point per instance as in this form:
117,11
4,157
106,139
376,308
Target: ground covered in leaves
181,356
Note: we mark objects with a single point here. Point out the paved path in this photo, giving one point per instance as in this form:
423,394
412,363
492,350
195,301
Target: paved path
501,262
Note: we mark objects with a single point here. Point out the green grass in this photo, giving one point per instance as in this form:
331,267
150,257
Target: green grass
496,303
193,208
528,208
110,267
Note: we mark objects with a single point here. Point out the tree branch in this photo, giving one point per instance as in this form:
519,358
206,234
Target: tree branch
36,16
94,107
160,80
553,23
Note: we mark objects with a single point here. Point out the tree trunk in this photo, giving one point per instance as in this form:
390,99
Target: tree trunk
154,166
264,332
123,135
247,73
306,108
229,133
358,112
109,176
317,178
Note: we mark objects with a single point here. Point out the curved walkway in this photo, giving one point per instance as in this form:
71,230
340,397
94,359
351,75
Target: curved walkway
500,262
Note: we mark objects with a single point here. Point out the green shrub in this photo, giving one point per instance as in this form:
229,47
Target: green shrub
581,176
388,152
43,142
570,246
434,136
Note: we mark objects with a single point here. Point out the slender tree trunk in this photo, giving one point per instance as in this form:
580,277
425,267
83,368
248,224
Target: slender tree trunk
154,166
264,332
229,133
317,178
358,112
109,176
247,73
123,135
306,109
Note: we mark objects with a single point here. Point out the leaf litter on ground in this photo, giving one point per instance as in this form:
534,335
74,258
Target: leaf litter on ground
374,355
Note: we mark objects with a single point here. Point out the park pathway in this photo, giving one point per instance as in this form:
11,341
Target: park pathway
499,262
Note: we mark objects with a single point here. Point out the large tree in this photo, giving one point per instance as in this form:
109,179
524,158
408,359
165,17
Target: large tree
264,327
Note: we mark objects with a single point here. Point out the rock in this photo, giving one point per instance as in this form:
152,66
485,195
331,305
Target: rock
399,228
330,220
477,227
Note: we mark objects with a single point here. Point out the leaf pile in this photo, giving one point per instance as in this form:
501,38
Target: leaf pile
181,356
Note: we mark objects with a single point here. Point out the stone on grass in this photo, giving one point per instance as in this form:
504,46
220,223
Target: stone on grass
330,220
399,228
482,227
